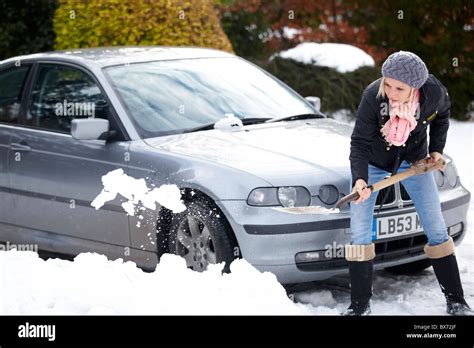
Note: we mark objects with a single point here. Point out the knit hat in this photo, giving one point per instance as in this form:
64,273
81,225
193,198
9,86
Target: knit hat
406,67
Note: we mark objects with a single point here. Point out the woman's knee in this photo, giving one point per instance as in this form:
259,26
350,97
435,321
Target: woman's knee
437,233
361,239
361,228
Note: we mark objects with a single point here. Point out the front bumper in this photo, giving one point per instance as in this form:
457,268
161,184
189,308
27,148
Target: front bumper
270,240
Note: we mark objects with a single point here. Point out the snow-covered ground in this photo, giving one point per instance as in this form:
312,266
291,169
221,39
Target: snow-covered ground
93,285
342,57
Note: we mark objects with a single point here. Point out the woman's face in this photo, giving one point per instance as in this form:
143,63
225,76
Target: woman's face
396,91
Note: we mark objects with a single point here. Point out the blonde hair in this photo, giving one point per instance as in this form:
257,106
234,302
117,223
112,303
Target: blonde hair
381,92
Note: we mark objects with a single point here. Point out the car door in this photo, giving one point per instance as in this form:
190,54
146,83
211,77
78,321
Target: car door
55,177
12,81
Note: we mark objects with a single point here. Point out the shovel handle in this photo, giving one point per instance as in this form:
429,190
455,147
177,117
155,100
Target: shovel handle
352,197
418,168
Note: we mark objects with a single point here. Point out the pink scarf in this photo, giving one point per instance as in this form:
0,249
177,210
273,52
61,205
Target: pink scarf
402,121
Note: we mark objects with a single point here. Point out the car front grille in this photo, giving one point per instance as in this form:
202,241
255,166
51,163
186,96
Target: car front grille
388,193
392,196
404,194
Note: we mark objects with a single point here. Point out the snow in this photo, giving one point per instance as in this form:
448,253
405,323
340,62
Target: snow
137,192
93,285
291,33
342,57
229,124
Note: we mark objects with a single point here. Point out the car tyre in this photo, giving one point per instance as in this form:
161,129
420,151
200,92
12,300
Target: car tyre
202,236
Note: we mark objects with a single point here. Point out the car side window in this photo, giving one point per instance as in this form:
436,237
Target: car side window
61,93
11,86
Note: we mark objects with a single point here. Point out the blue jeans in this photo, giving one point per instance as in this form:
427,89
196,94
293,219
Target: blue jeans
424,194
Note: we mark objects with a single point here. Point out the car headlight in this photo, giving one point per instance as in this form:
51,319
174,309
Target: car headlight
293,196
439,178
289,196
451,174
264,196
328,194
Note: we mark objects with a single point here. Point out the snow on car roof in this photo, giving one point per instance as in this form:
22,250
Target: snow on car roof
108,56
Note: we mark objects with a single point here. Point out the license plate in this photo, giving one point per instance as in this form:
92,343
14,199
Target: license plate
394,226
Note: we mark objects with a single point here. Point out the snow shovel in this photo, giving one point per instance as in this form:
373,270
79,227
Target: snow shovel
417,168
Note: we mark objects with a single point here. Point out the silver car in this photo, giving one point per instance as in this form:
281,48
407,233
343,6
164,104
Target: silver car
68,118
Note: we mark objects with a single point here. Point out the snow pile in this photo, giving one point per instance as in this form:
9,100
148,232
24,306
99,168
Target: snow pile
93,285
136,191
229,124
342,57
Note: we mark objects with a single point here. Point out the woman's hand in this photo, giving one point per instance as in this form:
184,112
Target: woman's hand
435,157
361,187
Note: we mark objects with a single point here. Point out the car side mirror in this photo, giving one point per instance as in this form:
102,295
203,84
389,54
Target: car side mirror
90,129
315,102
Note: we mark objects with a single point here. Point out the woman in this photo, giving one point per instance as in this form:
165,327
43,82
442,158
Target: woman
390,133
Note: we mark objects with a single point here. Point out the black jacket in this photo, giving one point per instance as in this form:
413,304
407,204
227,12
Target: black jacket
368,144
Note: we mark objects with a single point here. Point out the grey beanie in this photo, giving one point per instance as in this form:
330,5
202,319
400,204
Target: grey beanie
406,67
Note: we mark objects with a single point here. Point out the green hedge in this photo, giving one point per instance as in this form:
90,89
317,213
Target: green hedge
139,22
336,90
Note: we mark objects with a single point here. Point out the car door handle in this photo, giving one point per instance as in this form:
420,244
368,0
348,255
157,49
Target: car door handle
22,146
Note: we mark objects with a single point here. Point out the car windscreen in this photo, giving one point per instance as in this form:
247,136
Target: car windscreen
170,97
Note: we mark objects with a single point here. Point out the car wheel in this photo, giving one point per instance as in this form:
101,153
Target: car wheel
201,236
410,268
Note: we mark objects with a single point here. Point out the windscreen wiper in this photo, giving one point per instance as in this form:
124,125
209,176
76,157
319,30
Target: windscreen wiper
245,122
296,117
